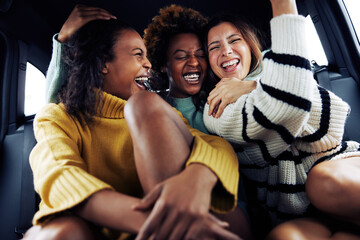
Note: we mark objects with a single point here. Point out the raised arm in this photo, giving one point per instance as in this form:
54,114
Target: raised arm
56,75
280,106
280,7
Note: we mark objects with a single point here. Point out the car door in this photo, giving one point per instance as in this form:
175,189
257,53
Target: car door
341,46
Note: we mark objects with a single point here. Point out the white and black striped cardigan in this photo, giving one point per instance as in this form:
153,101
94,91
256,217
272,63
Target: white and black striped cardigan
286,125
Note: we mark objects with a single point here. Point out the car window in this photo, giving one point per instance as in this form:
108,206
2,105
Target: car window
316,50
353,6
34,90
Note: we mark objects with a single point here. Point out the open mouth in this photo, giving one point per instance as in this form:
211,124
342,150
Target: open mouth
143,81
230,64
192,77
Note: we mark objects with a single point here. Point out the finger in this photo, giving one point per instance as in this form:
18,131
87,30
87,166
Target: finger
216,109
96,14
213,104
213,92
149,200
211,95
220,109
154,220
195,231
85,8
221,233
174,227
218,221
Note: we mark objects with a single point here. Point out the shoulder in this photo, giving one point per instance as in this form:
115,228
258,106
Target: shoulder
54,115
51,110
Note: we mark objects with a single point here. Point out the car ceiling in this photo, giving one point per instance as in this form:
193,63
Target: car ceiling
36,21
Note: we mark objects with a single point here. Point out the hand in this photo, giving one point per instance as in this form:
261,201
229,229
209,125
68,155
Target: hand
280,7
210,228
227,91
79,16
178,203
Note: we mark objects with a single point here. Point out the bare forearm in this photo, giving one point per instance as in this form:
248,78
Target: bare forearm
280,7
114,210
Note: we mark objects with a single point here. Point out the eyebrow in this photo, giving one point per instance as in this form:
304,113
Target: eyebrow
138,49
232,35
181,50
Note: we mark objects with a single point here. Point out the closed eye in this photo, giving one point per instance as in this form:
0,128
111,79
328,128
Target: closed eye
234,40
213,48
138,52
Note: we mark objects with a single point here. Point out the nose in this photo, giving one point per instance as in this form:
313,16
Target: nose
193,61
147,63
227,50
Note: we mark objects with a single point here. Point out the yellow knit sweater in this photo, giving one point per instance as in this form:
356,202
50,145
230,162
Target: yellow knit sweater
70,162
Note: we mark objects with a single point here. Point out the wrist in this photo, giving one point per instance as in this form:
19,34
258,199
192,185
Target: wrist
62,36
280,7
203,175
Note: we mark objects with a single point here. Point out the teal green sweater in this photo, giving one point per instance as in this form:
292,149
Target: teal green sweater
187,108
56,75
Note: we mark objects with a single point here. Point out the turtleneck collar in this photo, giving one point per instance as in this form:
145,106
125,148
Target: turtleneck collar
113,106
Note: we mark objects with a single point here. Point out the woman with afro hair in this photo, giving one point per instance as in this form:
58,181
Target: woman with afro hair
174,43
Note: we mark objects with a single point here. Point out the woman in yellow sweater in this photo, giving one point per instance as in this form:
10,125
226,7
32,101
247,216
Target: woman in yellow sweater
86,163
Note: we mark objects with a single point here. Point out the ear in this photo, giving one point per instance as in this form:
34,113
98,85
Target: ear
105,69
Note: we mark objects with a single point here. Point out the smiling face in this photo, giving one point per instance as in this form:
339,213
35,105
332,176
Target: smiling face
124,74
186,65
229,53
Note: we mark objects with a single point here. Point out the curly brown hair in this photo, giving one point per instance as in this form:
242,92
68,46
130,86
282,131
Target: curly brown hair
172,20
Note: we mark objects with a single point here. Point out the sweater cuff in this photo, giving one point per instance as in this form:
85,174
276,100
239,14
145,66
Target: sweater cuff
71,187
56,75
57,49
288,35
224,165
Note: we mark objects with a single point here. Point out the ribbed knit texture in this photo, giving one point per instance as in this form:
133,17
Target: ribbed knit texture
70,162
286,125
56,75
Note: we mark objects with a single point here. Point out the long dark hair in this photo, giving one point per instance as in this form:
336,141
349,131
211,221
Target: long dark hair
251,35
85,55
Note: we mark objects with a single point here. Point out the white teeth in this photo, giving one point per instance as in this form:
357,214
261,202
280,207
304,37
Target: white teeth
192,77
141,79
235,61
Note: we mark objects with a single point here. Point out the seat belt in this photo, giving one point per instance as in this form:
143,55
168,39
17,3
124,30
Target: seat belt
321,75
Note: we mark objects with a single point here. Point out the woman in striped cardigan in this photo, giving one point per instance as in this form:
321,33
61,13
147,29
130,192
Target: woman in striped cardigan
288,126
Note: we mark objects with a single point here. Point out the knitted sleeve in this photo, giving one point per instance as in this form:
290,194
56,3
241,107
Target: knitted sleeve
218,155
56,75
60,176
277,110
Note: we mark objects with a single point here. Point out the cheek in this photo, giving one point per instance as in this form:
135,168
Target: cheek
246,52
213,65
175,70
203,64
212,61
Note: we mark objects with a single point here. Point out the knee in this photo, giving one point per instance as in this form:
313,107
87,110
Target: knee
64,228
141,104
325,186
299,229
285,231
